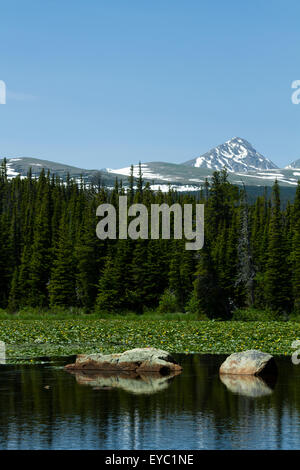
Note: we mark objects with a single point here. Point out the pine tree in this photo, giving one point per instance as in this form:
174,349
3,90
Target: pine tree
277,286
175,277
181,273
208,297
14,295
3,171
62,282
295,260
131,185
40,263
246,270
86,261
138,275
140,185
155,280
6,260
108,298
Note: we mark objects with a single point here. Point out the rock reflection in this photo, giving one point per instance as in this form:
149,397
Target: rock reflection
248,385
139,384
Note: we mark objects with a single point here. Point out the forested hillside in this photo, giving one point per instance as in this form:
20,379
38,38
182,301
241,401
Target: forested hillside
50,255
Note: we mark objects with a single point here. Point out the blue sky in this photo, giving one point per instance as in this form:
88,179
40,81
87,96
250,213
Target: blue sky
108,83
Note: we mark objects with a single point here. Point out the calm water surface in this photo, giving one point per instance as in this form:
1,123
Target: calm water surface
45,407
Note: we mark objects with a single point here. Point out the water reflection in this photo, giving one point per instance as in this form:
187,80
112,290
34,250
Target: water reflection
139,384
195,410
248,385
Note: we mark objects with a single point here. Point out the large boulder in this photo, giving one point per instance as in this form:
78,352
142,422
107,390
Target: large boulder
137,360
252,362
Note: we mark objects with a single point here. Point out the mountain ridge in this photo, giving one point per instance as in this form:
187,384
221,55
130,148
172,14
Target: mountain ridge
239,158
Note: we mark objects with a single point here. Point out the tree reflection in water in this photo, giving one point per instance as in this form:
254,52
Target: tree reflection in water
194,410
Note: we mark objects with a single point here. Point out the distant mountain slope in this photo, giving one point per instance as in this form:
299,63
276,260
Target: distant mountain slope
161,173
294,165
182,177
236,154
21,165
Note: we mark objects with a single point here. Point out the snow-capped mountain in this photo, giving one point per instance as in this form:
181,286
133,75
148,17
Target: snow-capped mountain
246,167
294,165
236,155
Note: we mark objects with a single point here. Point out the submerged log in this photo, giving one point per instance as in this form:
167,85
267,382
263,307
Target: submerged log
252,362
138,360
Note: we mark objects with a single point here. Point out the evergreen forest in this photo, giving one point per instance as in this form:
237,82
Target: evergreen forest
50,255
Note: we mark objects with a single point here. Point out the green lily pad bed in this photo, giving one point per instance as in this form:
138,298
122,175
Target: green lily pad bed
27,341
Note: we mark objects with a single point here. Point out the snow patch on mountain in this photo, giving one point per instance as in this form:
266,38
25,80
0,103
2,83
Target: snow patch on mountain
11,173
146,172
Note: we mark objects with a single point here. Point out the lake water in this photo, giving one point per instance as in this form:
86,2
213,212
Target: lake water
45,407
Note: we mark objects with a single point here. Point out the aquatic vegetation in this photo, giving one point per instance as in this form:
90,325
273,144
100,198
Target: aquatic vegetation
29,339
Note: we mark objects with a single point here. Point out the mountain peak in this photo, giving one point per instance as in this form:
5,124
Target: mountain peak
238,141
295,165
236,154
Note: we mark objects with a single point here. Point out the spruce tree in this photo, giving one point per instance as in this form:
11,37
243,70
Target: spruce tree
108,298
7,260
131,185
62,281
86,260
207,297
277,285
295,260
14,295
245,270
40,263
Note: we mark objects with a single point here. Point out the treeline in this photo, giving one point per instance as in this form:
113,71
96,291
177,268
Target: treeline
50,255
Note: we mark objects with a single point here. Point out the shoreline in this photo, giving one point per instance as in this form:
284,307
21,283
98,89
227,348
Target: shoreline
30,339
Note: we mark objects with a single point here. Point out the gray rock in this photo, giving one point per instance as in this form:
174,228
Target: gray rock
138,360
252,362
